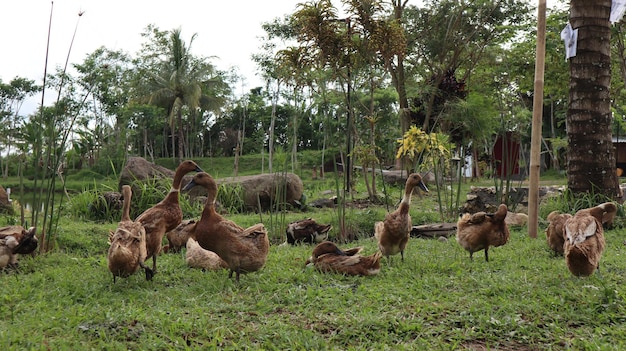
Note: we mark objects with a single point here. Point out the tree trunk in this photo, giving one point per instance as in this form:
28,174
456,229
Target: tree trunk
270,151
179,120
399,81
591,156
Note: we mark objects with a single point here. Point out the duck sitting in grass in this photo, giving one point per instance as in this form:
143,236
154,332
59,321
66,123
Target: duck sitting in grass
15,241
197,257
127,250
245,250
307,231
328,258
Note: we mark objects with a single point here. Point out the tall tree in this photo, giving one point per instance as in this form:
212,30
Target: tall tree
12,97
176,79
591,158
105,73
449,37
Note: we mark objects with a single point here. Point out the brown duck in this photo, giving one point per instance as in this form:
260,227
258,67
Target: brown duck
245,250
481,230
584,240
127,250
328,258
393,233
555,232
307,231
165,215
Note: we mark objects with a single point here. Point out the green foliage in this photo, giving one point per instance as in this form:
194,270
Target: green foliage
92,206
231,198
425,150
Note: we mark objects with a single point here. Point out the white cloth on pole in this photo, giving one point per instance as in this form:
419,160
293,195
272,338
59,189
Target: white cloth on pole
570,37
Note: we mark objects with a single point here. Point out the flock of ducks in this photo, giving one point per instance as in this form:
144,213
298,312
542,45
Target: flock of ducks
214,242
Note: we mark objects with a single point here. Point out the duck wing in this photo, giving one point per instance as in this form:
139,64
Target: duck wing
353,251
579,228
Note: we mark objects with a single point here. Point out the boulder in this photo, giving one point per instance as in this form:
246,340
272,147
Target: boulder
263,189
139,169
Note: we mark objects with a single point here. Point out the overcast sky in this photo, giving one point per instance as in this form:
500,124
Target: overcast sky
227,29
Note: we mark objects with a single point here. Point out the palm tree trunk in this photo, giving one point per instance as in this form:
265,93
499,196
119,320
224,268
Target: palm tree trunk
591,157
270,155
179,119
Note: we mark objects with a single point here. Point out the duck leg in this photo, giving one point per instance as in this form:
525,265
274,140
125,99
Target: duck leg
487,254
149,272
236,271
154,270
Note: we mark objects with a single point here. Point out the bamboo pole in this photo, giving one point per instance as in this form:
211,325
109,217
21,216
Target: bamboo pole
535,143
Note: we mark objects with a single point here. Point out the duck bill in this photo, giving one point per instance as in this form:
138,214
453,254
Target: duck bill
189,185
422,186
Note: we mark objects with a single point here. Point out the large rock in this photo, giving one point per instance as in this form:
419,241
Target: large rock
139,169
263,189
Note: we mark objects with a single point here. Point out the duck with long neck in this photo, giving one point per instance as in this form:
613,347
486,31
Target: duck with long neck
244,250
128,243
393,233
165,215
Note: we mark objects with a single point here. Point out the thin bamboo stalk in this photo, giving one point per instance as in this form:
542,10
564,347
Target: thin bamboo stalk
535,144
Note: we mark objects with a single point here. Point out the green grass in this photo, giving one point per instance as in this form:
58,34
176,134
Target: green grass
437,299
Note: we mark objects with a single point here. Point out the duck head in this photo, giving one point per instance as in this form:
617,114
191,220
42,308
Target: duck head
415,180
189,166
205,180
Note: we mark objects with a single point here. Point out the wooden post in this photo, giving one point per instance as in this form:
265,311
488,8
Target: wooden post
535,143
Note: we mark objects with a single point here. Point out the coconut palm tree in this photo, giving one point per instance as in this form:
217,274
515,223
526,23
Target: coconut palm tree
591,159
181,83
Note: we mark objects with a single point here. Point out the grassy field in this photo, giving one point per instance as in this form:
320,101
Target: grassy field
437,299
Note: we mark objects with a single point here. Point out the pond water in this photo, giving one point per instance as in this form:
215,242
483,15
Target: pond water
28,199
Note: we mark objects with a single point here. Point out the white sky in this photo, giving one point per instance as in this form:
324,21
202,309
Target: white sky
226,29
